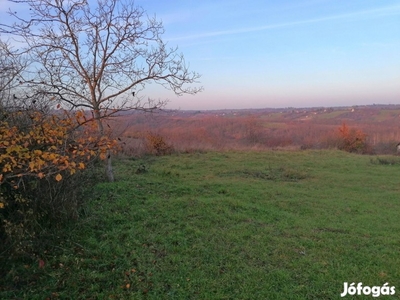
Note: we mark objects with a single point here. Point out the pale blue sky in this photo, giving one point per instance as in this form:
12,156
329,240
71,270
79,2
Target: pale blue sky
286,53
255,54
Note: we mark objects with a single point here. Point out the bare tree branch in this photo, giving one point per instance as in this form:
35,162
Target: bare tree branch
98,54
95,55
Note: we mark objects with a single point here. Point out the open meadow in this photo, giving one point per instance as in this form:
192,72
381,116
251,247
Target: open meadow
225,225
199,150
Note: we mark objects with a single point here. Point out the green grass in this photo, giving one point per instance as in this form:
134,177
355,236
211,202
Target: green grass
234,225
385,115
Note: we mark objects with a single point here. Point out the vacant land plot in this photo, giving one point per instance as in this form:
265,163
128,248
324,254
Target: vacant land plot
232,225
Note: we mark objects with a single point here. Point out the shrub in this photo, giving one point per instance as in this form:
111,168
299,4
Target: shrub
156,144
41,162
352,140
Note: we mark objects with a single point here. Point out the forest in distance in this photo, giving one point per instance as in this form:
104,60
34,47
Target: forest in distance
371,129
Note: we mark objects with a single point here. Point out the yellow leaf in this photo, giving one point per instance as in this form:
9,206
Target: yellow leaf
40,175
81,166
58,177
1,205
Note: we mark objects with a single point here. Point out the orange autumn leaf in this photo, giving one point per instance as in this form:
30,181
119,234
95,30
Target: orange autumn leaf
49,146
58,177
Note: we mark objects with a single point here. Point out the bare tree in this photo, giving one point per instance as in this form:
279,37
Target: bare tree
99,55
11,68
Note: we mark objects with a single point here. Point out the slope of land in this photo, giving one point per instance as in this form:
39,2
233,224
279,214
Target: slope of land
228,225
305,128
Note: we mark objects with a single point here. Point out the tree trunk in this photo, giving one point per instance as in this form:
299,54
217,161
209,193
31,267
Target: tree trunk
109,169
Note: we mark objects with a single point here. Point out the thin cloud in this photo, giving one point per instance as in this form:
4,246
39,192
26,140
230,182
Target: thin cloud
378,12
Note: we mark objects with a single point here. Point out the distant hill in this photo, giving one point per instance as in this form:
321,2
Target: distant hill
377,113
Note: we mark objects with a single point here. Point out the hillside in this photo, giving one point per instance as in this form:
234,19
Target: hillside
362,114
231,225
314,128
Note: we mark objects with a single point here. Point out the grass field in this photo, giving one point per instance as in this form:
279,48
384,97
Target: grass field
232,225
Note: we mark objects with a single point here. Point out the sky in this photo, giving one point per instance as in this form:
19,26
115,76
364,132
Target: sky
286,53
